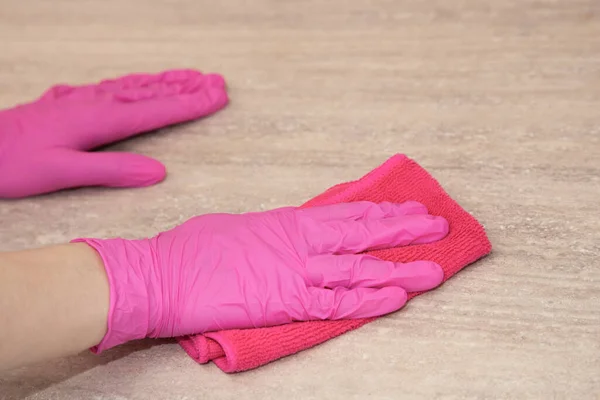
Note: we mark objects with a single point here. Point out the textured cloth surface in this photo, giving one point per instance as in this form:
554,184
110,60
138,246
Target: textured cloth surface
399,179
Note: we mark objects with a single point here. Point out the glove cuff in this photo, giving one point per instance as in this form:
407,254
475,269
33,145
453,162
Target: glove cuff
126,267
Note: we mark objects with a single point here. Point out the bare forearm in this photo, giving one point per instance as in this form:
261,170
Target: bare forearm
53,302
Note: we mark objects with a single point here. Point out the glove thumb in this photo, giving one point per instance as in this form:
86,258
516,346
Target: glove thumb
111,169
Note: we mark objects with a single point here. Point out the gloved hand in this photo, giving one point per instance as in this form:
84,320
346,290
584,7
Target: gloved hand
43,143
226,271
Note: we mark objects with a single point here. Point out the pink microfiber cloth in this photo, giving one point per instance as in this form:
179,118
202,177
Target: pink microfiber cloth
399,179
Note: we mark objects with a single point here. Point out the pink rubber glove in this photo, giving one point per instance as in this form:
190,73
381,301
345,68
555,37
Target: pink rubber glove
226,271
43,144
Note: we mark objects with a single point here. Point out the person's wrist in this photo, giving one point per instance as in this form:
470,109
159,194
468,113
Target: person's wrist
130,307
90,265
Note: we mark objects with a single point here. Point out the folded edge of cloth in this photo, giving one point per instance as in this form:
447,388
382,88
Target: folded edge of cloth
399,179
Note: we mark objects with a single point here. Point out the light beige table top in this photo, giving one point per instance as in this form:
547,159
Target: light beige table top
499,100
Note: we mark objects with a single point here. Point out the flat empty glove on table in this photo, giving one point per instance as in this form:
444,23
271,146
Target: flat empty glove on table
225,271
43,144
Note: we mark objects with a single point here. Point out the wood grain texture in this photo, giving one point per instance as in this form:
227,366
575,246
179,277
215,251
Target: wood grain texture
498,100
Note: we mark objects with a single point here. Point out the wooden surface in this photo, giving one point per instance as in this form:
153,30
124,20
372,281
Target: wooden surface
498,100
